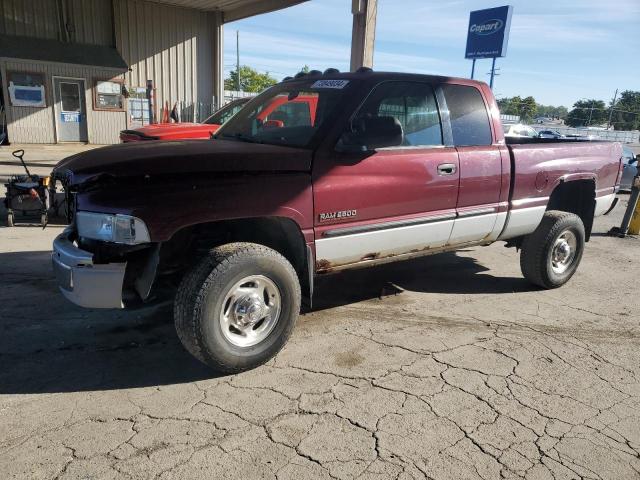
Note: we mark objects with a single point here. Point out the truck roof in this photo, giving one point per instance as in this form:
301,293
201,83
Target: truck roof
368,74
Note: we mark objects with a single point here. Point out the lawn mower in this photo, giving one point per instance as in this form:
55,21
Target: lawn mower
27,194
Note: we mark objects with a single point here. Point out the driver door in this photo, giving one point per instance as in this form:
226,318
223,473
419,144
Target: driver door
395,200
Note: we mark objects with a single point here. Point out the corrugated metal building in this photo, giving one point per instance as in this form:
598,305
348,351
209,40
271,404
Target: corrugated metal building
77,70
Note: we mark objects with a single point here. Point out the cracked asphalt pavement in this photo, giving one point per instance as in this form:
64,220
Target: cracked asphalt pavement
446,367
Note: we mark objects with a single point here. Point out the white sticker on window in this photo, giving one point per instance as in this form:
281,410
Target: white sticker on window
330,84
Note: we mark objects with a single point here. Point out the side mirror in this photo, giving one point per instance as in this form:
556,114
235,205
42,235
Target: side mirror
371,133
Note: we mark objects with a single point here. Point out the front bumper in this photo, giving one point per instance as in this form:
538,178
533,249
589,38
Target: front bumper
83,282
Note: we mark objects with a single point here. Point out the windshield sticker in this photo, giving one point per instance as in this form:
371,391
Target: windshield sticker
330,84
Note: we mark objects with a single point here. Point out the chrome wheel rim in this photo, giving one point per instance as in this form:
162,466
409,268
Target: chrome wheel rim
563,252
250,311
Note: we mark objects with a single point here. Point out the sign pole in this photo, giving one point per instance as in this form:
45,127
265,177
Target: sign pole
473,68
493,72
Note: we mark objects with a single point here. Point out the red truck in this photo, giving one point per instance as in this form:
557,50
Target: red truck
389,166
184,130
278,113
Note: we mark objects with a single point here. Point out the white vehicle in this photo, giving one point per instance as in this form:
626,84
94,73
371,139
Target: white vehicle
519,131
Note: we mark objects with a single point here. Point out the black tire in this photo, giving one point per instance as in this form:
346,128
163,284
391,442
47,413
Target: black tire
198,304
538,249
10,220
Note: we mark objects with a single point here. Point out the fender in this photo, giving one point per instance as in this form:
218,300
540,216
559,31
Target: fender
189,201
570,177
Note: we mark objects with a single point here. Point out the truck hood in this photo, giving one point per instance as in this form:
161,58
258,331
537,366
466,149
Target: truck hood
181,157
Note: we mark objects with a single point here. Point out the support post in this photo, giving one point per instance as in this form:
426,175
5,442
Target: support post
473,68
151,102
363,33
631,220
218,59
634,223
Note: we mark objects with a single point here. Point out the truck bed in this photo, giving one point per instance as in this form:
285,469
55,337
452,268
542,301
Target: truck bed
539,165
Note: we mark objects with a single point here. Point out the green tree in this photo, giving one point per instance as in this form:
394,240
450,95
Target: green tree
524,107
528,108
626,111
587,112
305,69
250,80
552,112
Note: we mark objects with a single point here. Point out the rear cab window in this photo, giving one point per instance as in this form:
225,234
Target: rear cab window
468,115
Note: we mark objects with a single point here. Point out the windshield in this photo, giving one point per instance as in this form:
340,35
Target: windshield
226,112
287,114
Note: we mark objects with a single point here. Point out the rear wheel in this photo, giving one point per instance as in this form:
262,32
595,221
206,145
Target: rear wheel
236,309
552,253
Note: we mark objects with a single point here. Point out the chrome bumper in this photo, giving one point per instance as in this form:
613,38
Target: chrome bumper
82,282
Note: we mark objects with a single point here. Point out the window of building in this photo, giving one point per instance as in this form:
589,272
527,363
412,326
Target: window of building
27,89
468,115
413,105
108,95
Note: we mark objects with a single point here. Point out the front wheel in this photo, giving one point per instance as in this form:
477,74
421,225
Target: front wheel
552,253
236,309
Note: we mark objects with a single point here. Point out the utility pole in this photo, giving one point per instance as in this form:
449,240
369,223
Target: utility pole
590,113
613,104
238,58
493,72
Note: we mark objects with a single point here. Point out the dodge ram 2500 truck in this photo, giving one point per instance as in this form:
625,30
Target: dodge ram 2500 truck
392,166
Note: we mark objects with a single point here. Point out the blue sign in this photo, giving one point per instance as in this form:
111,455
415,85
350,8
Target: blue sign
488,32
73,117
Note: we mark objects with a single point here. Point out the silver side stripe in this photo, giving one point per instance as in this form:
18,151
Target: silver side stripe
406,223
474,213
527,201
386,225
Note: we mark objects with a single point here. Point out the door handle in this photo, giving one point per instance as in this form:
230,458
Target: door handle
447,169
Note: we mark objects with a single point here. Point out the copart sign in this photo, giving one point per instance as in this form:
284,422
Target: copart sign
488,32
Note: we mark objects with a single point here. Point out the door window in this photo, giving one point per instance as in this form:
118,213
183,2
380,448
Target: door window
468,115
412,104
70,97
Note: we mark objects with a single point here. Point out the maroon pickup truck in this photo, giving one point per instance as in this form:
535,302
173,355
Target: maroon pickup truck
389,167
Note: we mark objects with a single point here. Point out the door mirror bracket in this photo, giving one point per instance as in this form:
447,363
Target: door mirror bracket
348,143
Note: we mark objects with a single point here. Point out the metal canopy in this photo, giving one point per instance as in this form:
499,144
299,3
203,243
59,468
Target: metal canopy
49,50
233,9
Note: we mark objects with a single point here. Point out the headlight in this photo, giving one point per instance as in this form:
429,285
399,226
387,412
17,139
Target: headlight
112,228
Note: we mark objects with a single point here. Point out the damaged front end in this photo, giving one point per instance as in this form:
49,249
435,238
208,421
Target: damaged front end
102,260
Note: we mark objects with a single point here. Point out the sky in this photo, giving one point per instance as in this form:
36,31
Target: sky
559,51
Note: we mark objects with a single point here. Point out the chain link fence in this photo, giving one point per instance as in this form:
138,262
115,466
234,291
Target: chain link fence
623,136
200,111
